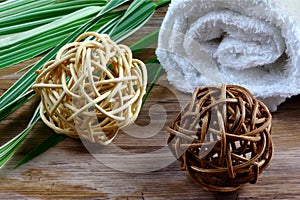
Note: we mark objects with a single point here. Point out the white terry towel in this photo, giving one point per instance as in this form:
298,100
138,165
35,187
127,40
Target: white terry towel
252,43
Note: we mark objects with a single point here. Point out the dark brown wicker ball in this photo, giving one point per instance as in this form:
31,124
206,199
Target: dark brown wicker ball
222,138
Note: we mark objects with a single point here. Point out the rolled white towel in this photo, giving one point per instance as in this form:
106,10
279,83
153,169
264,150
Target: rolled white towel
252,43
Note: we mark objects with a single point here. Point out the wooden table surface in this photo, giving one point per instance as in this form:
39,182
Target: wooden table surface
70,171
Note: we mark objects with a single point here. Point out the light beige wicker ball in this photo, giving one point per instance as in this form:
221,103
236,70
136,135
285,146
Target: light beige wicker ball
92,89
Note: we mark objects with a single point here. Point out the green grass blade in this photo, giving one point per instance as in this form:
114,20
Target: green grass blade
107,27
7,5
26,26
112,4
42,43
51,10
161,3
154,70
132,9
9,108
8,11
37,45
51,141
17,89
7,55
32,51
45,41
147,41
8,149
43,36
19,37
136,16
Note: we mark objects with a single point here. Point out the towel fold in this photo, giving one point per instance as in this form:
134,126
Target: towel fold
252,43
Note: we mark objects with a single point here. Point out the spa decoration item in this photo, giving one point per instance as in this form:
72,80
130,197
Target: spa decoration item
222,138
92,89
252,43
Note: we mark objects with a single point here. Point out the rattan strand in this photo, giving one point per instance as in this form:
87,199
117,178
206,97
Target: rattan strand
92,89
222,138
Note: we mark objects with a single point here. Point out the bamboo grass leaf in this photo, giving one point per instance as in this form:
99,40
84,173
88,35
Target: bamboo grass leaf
23,6
8,149
46,11
107,27
33,50
66,29
8,53
6,56
41,43
112,5
51,141
161,3
154,69
7,5
17,89
16,38
25,26
139,12
147,41
12,106
4,53
132,9
131,28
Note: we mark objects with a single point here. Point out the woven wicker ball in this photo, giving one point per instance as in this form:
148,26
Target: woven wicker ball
222,138
91,89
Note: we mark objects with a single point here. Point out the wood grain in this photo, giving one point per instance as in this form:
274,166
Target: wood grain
69,170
